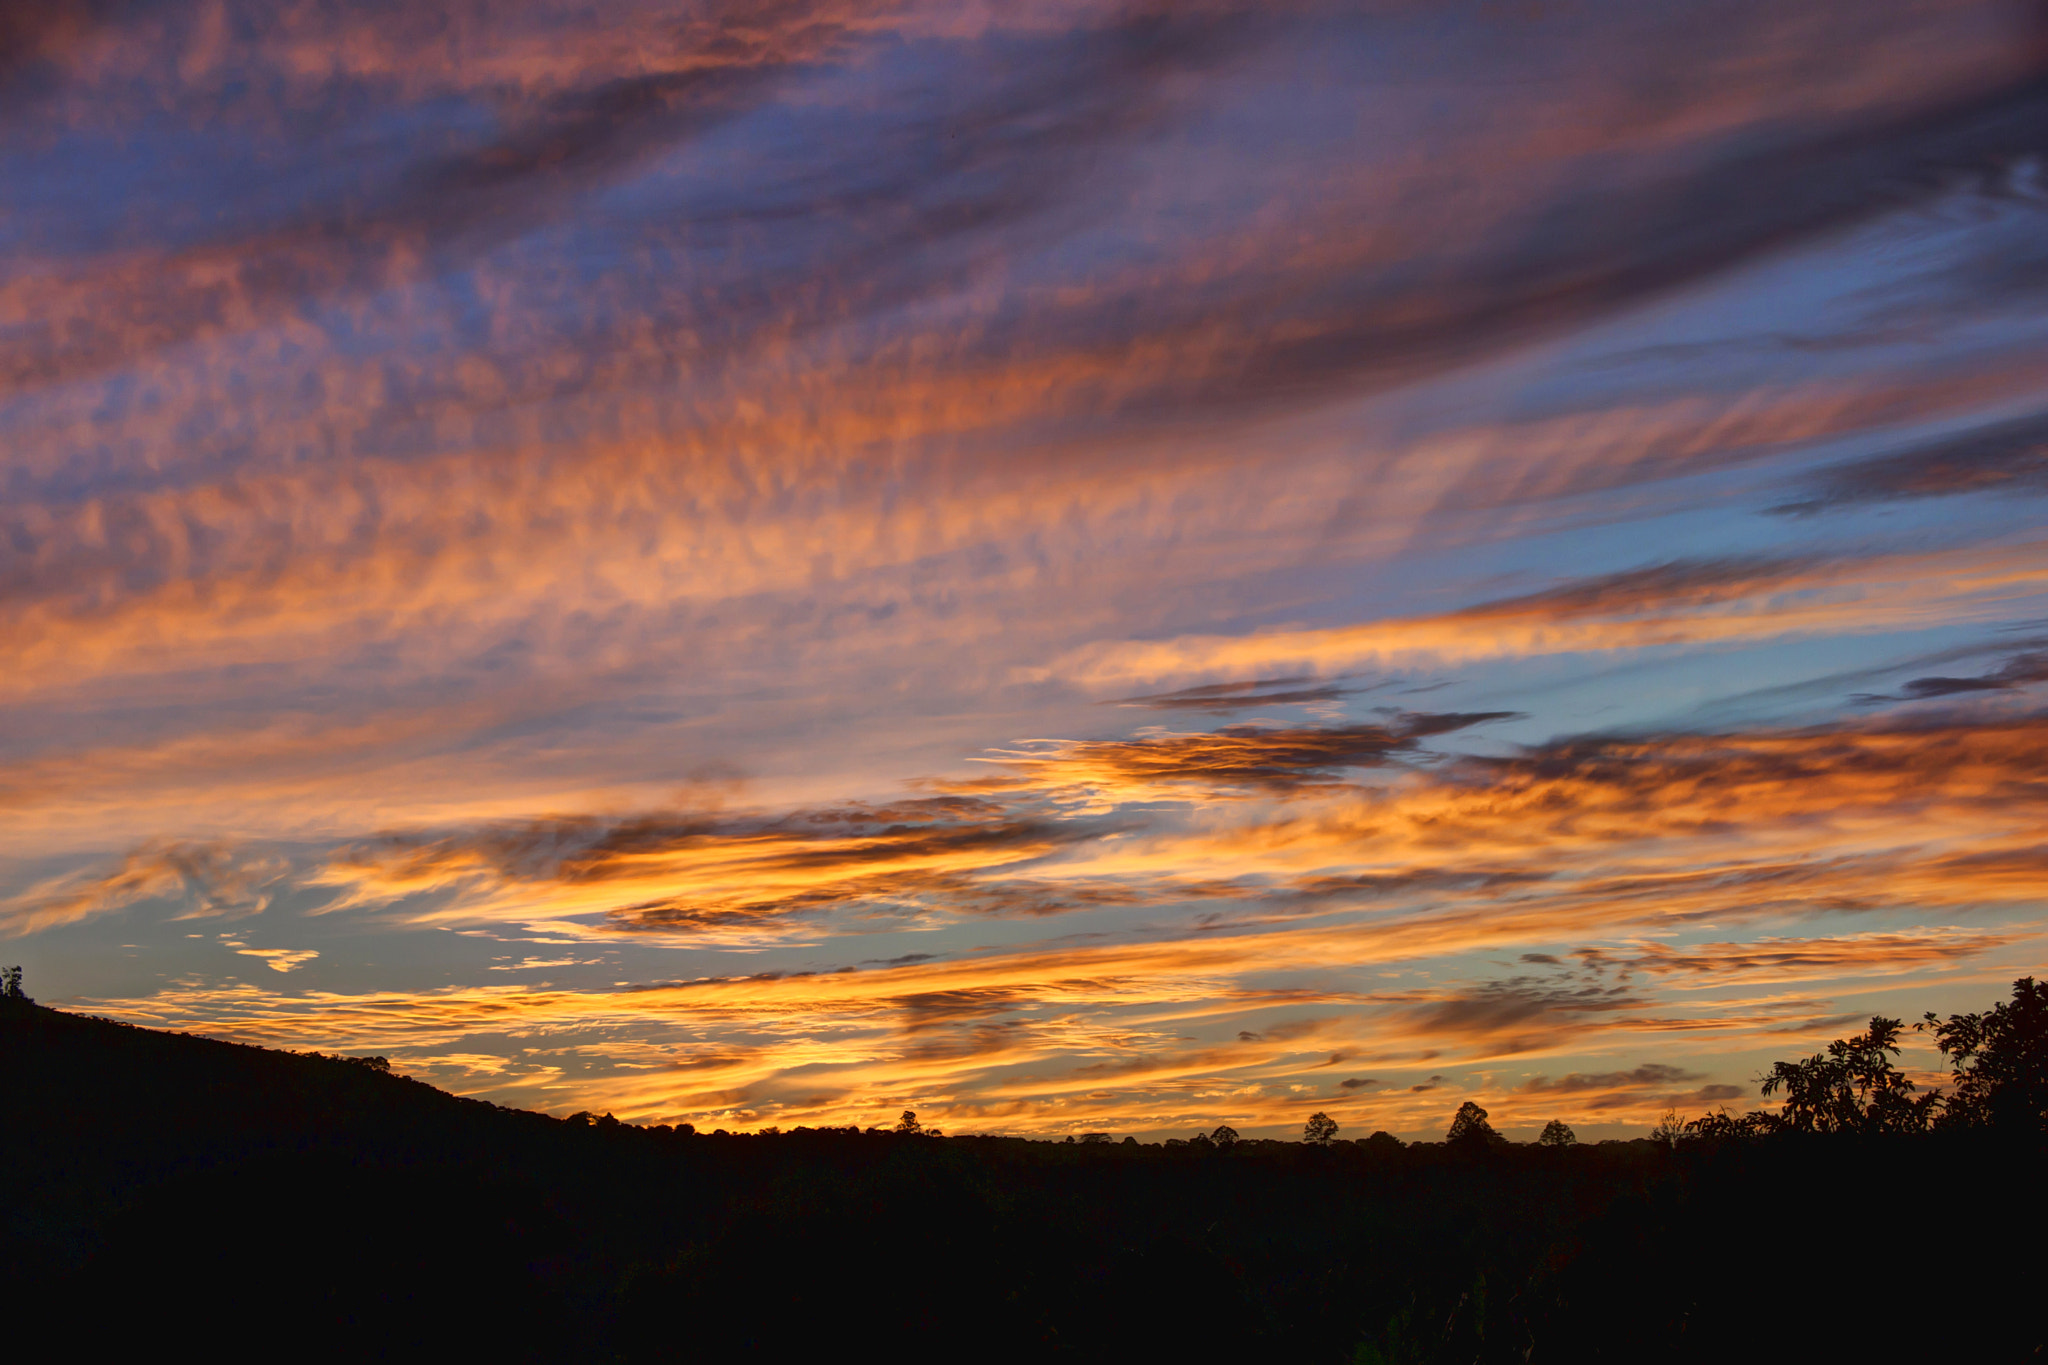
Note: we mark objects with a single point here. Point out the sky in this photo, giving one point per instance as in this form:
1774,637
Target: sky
1066,566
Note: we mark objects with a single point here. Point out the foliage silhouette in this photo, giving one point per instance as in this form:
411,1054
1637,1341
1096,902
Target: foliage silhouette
10,987
1999,1061
1469,1128
1557,1133
1852,1088
1725,1127
1319,1130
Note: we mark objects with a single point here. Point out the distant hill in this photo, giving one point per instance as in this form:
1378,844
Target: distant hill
162,1186
189,1178
84,1076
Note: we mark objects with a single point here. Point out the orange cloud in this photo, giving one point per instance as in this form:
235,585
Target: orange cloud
1704,602
209,878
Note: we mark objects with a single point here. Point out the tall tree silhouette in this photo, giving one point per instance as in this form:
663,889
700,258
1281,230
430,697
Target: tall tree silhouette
1319,1129
1469,1128
2000,1062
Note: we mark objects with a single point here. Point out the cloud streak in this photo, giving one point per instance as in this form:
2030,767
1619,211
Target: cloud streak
2011,457
1700,602
206,879
1253,759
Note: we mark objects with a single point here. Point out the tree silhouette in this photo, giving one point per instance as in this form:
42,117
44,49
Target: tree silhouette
1470,1128
1224,1136
1557,1133
1852,1088
1724,1126
10,986
1999,1060
909,1124
1319,1129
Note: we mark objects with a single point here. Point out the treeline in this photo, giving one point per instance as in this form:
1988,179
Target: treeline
1998,1061
199,1184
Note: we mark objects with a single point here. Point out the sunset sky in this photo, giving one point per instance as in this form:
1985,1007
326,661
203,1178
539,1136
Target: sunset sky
1065,566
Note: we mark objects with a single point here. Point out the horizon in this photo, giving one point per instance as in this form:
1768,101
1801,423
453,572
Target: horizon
1075,567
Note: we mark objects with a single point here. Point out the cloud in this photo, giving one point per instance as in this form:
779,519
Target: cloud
904,960
1223,698
1656,1074
210,878
278,959
1556,262
694,872
1834,958
1604,788
1674,585
1018,1039
1424,881
1649,1086
2009,457
1251,759
1532,848
1678,602
966,158
1521,1014
471,495
428,418
39,37
2021,670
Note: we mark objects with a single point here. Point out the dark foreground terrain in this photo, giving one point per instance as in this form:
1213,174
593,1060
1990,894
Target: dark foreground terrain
163,1189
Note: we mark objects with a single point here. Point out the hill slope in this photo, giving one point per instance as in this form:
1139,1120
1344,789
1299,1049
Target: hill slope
160,1183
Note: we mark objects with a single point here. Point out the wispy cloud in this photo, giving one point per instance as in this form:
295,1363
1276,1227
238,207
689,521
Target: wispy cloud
1673,603
277,959
1223,698
203,879
1252,759
2010,457
2018,671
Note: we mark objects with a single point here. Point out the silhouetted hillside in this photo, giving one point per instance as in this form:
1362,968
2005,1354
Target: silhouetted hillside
162,1184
